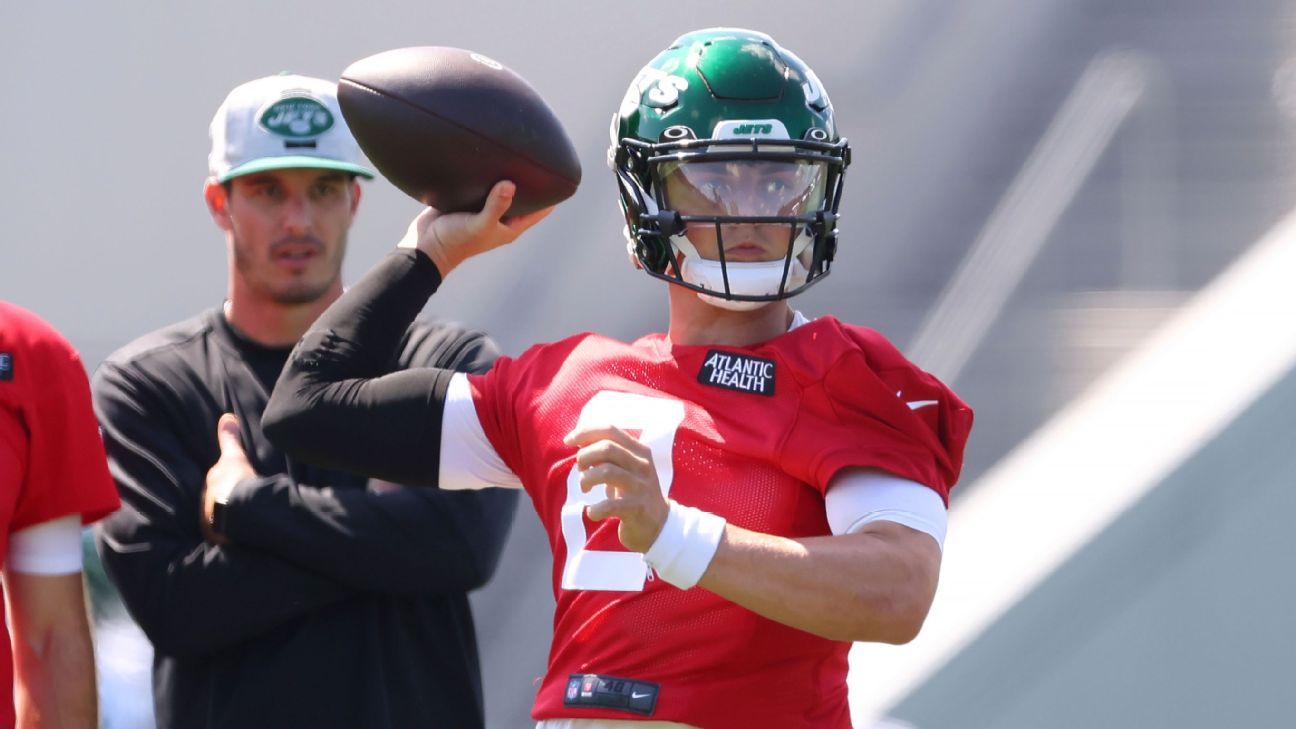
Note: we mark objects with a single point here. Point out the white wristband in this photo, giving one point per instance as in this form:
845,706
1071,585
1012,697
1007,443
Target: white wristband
686,545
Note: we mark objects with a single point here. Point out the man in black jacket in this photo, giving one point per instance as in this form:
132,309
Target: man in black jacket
277,594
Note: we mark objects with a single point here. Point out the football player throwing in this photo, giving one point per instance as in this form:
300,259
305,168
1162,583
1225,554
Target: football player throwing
729,503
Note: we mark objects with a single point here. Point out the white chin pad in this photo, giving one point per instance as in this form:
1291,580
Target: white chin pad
745,278
731,304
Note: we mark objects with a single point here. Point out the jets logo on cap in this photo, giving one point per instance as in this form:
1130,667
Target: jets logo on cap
296,117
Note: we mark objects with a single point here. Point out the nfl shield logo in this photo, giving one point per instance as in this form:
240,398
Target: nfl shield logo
573,687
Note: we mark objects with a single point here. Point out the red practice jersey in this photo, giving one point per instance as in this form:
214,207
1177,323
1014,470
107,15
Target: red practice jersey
52,461
752,434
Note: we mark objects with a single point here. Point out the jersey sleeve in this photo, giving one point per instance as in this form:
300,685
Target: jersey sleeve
938,418
66,470
468,460
872,408
491,396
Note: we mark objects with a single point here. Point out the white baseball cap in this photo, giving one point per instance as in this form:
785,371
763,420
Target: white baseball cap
281,122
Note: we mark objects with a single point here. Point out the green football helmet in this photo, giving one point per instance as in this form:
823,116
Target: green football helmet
730,168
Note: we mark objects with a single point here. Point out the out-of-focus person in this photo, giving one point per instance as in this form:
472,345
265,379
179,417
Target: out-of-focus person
277,594
53,479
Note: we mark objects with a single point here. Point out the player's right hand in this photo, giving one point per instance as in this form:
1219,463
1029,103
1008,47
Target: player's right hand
610,457
452,238
232,466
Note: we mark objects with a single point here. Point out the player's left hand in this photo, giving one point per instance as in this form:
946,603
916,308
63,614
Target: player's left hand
610,456
232,466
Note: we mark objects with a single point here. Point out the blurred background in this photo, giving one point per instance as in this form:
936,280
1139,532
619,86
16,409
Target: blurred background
1074,211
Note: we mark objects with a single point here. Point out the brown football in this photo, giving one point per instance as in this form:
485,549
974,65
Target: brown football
445,124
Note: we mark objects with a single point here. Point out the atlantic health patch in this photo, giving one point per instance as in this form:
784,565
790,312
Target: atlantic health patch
741,372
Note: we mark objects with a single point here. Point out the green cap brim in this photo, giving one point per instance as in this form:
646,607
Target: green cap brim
265,164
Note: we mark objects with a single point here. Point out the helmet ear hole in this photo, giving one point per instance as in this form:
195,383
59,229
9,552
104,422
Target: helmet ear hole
677,133
815,134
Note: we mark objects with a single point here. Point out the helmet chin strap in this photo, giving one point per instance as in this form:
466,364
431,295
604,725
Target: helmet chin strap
761,278
731,305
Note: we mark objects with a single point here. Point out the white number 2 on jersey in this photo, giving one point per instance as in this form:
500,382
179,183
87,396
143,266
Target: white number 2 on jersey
658,419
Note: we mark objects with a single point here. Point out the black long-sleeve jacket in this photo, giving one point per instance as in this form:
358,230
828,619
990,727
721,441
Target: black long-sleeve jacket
336,604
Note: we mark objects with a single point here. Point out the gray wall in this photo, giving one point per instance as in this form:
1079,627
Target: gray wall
1178,615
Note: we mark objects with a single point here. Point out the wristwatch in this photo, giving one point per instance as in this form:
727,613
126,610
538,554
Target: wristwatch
218,515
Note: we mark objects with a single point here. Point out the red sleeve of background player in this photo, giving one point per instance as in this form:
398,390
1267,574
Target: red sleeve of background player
13,454
873,408
67,470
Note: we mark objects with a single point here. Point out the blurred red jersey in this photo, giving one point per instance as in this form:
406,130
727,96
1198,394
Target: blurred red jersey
753,434
52,461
